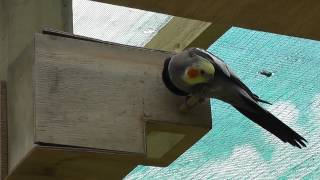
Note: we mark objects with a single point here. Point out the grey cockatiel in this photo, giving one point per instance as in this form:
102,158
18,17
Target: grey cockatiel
198,73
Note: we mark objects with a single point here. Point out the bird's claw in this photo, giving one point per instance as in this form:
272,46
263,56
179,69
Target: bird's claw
190,102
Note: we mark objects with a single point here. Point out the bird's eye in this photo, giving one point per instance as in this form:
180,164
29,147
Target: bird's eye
202,72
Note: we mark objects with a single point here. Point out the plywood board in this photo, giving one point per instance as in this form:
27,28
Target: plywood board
89,91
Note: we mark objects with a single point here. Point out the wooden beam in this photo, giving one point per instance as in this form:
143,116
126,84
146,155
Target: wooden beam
294,17
181,33
178,34
19,20
209,36
3,40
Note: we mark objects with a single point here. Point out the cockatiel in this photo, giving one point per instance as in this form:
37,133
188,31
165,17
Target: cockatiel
198,74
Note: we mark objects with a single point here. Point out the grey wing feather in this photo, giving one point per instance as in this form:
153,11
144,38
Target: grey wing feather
237,80
218,64
223,67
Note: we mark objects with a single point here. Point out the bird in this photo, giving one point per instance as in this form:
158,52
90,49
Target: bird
196,72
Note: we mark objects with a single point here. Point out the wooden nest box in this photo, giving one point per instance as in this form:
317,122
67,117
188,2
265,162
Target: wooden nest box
85,109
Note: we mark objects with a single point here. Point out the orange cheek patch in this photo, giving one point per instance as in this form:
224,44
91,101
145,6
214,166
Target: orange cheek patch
192,73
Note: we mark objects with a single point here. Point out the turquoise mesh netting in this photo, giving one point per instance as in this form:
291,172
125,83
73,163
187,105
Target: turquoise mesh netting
236,148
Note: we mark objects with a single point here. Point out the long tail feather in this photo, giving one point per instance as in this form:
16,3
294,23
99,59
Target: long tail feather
266,120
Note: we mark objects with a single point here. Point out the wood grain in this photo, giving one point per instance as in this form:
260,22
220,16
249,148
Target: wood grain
90,93
102,100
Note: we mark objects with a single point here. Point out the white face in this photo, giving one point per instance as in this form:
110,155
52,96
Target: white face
199,72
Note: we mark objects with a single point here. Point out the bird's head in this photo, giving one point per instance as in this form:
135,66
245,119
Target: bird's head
185,70
199,71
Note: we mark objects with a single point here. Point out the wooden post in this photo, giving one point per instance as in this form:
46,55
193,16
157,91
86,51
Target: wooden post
19,20
3,131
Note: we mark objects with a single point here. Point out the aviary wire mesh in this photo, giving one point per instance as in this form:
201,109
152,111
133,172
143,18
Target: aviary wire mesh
115,23
236,148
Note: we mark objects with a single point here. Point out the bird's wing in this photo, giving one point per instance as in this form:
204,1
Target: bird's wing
217,63
236,80
266,120
221,66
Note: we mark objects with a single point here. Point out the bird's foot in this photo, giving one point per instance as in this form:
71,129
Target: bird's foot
191,102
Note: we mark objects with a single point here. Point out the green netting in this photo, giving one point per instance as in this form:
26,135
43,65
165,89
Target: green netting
236,148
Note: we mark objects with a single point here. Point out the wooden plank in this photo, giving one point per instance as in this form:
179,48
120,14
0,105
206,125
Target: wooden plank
3,131
295,17
209,36
89,92
177,34
139,71
49,163
122,84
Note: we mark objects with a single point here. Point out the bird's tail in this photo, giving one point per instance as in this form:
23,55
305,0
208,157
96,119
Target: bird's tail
268,121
